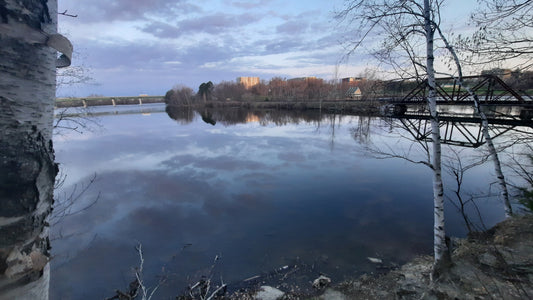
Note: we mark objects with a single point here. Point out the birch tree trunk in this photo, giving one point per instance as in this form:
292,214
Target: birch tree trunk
27,168
504,194
441,256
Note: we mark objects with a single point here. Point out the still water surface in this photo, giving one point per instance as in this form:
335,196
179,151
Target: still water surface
258,190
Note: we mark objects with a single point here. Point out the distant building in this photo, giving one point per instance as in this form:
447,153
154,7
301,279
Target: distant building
507,74
352,80
354,93
248,82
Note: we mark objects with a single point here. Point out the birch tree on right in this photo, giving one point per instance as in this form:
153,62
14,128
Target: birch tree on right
406,31
408,34
503,35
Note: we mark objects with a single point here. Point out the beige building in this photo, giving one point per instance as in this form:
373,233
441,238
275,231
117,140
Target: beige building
353,80
248,82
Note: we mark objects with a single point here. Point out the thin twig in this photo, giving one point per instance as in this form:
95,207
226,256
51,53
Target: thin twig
66,14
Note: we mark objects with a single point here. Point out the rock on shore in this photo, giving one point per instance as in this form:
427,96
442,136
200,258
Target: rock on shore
496,264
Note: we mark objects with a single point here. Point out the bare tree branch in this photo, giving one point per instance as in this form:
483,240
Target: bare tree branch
66,14
503,34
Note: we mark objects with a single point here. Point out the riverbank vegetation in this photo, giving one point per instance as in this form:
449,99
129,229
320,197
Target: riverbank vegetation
316,90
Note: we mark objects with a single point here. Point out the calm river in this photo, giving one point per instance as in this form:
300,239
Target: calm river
258,190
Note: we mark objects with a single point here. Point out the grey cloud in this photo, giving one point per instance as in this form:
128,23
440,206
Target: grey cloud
131,54
231,35
282,46
162,30
185,8
104,10
217,23
318,58
251,4
206,51
292,27
212,24
144,55
221,25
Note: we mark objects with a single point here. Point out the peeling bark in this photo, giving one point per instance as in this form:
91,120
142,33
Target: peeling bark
27,168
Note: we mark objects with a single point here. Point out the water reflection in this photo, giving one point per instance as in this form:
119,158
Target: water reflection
262,189
238,115
459,131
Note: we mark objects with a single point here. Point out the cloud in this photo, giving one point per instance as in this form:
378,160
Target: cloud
292,27
125,10
130,54
162,30
283,46
206,51
214,24
136,41
250,4
217,23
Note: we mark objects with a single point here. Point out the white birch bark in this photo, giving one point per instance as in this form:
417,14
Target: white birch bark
504,194
439,244
27,168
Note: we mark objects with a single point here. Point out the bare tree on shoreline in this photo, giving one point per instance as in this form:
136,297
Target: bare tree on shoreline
408,35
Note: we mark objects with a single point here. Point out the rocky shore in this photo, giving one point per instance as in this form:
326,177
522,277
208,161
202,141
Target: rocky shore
496,264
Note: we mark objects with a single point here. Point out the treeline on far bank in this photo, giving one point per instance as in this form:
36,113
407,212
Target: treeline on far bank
305,94
302,90
311,89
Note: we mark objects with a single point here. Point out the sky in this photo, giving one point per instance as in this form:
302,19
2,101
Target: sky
132,47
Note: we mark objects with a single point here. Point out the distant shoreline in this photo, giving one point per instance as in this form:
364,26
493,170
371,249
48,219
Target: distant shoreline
362,106
100,101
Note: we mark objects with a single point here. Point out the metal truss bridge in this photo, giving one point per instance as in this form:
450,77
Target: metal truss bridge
490,89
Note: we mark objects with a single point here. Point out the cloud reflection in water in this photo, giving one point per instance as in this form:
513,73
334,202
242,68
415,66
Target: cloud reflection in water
259,195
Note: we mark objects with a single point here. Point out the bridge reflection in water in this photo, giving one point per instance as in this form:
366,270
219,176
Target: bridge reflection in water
464,131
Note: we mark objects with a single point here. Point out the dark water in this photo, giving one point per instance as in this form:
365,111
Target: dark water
276,190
